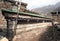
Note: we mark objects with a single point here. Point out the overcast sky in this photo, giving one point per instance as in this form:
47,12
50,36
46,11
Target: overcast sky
39,3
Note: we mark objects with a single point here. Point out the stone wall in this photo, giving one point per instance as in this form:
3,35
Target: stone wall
2,19
5,5
3,23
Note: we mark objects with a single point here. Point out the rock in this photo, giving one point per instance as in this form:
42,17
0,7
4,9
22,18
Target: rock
4,39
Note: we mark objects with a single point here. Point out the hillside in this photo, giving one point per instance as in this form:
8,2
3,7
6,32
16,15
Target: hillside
47,9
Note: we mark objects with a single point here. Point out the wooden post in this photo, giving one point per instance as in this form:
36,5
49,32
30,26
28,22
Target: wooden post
28,21
37,20
43,21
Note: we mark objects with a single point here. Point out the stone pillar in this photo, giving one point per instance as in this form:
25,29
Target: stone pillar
10,32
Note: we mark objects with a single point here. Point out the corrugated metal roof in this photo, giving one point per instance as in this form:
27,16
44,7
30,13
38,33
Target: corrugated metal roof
24,13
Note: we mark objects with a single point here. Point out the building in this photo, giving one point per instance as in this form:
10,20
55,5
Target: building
14,23
23,18
56,16
10,6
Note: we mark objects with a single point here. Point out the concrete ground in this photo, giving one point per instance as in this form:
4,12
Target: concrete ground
42,32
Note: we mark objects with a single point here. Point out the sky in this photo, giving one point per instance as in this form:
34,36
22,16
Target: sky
39,3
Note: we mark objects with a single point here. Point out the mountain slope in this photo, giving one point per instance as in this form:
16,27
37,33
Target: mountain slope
47,9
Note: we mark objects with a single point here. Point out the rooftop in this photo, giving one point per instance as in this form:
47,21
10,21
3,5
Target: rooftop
24,13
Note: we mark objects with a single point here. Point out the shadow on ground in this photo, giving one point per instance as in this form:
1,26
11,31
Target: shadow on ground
47,35
51,34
